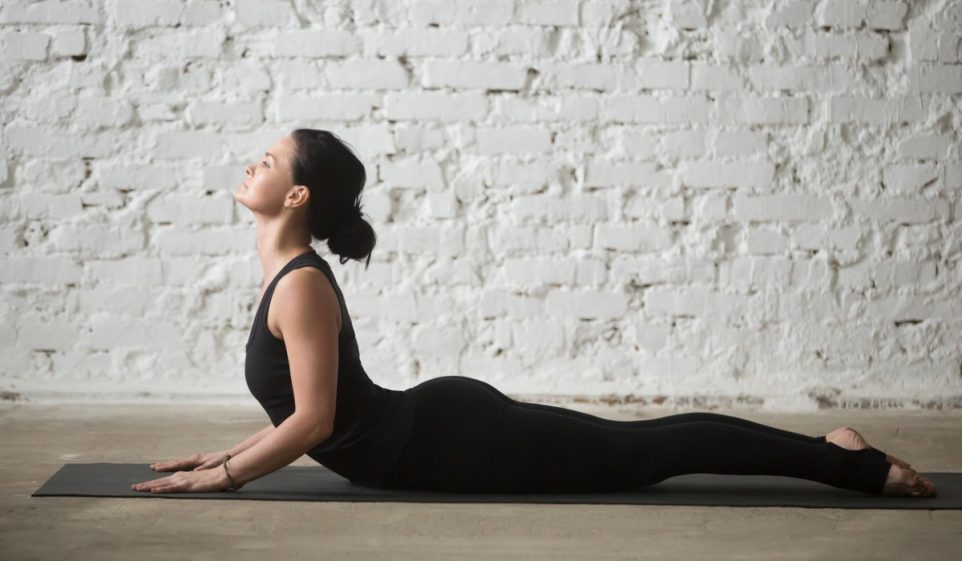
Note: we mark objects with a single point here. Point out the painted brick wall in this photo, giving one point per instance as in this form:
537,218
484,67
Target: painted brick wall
683,202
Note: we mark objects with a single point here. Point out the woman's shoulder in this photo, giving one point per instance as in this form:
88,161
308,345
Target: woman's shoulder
308,290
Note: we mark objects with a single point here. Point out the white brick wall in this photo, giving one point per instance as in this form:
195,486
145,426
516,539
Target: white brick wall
679,201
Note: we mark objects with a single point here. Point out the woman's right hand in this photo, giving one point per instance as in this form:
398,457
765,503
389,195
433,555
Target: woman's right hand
195,462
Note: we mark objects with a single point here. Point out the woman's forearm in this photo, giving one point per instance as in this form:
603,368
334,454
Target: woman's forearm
292,439
251,440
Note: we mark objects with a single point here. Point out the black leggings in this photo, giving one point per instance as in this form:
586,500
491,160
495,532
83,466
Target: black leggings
469,437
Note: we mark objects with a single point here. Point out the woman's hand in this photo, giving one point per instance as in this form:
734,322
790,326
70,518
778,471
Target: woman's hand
199,481
196,462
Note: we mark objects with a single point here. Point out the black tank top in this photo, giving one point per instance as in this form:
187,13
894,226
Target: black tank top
371,423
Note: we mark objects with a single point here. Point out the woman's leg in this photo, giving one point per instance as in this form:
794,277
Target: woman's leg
540,451
470,437
670,419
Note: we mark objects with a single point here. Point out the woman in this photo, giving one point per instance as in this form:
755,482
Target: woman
450,433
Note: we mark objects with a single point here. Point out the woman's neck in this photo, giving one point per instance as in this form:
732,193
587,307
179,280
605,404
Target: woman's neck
277,243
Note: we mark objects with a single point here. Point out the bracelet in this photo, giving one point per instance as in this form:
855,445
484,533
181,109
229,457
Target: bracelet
234,486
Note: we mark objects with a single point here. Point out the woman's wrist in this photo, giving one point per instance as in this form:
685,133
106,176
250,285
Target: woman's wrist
231,483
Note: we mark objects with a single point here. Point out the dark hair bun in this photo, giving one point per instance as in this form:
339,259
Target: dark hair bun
353,239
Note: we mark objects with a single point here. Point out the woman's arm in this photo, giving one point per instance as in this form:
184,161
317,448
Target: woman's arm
292,439
252,440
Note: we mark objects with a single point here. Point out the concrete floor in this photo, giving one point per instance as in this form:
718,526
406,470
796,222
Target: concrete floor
38,439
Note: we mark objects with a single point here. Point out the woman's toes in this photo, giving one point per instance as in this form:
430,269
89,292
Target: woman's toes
907,483
925,487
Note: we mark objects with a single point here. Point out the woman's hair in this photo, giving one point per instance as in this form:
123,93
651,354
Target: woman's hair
327,166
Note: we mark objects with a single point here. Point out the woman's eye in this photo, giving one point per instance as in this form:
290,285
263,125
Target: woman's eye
265,163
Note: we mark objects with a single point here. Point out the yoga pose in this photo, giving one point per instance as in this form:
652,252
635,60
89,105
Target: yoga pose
450,433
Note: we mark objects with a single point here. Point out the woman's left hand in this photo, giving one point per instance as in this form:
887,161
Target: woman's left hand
203,481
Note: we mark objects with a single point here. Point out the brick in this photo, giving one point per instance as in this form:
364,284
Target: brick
264,13
567,108
713,77
528,272
886,15
51,12
696,302
908,178
188,144
314,43
600,173
192,43
684,144
632,238
794,15
687,14
763,111
863,46
56,335
654,74
645,109
739,143
45,206
844,14
903,210
517,140
145,13
473,75
599,77
434,106
575,208
522,176
658,269
927,78
766,241
852,109
209,241
242,115
366,74
823,79
98,112
586,304
335,107
137,271
411,173
547,12
190,210
462,13
728,174
710,207
414,42
69,43
781,207
931,146
101,239
40,270
25,45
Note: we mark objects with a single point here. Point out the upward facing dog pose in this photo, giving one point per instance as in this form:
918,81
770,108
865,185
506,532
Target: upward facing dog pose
450,433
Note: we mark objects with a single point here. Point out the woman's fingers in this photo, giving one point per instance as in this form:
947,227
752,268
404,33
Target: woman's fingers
173,465
154,484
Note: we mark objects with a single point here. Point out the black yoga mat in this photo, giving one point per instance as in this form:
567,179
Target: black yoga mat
310,483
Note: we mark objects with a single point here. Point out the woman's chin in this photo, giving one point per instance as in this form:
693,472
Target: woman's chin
239,197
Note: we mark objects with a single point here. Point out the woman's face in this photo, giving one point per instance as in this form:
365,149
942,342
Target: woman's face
267,183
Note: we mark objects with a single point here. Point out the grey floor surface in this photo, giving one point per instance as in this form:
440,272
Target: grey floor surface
37,439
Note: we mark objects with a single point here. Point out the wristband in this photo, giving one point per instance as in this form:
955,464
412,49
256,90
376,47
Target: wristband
234,486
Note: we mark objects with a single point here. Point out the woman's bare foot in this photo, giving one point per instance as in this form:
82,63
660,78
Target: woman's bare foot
903,482
850,439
